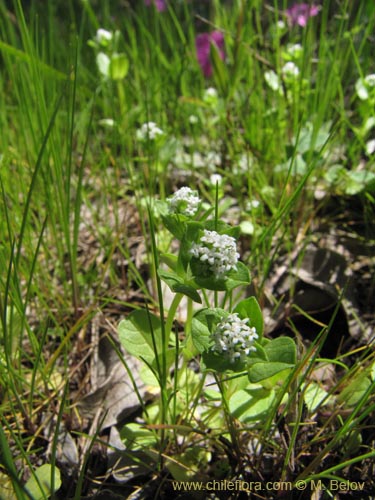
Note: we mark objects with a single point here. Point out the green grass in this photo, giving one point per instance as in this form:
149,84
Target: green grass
82,234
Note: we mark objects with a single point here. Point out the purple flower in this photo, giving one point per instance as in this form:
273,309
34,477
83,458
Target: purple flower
299,13
203,47
159,4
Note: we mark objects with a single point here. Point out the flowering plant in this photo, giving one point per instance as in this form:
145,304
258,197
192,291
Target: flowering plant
203,43
300,13
160,5
111,63
227,340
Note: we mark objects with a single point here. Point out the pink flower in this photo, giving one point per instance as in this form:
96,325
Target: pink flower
159,4
299,13
203,47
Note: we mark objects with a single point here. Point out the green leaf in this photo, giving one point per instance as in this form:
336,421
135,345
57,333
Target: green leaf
356,389
137,437
313,396
177,285
203,324
170,259
218,362
23,56
6,488
238,277
282,349
281,354
176,224
189,291
335,173
359,181
249,308
186,466
39,486
136,334
119,66
251,404
266,370
191,234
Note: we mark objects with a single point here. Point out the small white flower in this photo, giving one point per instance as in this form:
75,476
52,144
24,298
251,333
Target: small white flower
218,251
370,80
290,69
103,62
107,122
216,179
211,92
149,131
364,86
370,147
103,37
210,96
184,201
294,50
193,119
272,80
234,338
252,204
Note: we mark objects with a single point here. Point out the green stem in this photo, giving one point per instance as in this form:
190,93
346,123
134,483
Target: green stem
228,416
172,314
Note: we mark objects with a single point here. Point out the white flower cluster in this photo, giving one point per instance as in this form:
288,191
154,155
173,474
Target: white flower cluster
234,338
218,250
365,86
184,201
290,70
103,37
149,131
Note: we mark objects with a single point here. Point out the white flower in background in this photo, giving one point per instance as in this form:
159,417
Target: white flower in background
210,96
252,204
210,93
184,201
103,37
107,122
234,338
149,131
218,251
370,147
294,50
290,70
364,86
103,62
272,80
193,119
216,179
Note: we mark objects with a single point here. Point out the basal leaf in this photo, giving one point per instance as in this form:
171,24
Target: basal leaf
39,486
251,404
138,332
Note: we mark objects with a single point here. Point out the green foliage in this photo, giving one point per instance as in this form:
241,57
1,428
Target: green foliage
44,482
